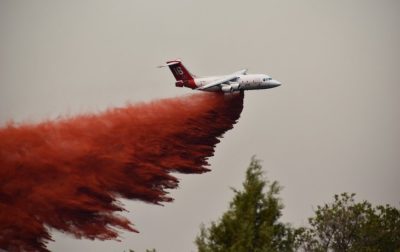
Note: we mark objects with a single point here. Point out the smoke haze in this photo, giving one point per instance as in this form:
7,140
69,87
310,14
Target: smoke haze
67,174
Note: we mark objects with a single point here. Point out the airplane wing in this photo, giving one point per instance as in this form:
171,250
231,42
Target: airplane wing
223,80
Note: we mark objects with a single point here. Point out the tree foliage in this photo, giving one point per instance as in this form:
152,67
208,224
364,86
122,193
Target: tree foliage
345,225
251,222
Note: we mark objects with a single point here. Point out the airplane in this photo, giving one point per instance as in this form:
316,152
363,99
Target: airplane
235,82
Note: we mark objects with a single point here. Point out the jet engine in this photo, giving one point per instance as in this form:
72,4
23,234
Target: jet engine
230,88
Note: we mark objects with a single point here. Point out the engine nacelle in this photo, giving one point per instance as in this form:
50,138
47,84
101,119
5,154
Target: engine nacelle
232,87
226,89
235,86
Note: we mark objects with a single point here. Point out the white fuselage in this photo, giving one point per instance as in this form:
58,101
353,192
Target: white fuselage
243,82
237,81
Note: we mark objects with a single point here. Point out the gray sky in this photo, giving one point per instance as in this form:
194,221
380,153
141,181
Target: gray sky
333,125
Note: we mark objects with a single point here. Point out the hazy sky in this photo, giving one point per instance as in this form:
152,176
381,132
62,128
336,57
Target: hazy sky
332,126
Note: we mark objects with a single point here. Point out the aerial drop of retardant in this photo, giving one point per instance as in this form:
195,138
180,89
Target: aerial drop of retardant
68,174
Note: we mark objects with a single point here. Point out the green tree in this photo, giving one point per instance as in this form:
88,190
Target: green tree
251,222
345,225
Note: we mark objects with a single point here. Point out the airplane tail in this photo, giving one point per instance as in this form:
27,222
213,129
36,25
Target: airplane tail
182,75
179,70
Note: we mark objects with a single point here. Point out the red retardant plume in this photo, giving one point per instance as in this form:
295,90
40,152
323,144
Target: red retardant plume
67,174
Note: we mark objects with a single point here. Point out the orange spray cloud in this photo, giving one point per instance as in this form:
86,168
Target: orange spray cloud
68,174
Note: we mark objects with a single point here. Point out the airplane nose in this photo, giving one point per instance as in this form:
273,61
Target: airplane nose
274,83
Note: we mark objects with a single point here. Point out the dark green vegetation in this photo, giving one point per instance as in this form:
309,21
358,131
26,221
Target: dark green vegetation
252,223
345,225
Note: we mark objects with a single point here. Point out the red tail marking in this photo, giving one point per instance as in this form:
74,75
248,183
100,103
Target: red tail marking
179,70
182,75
